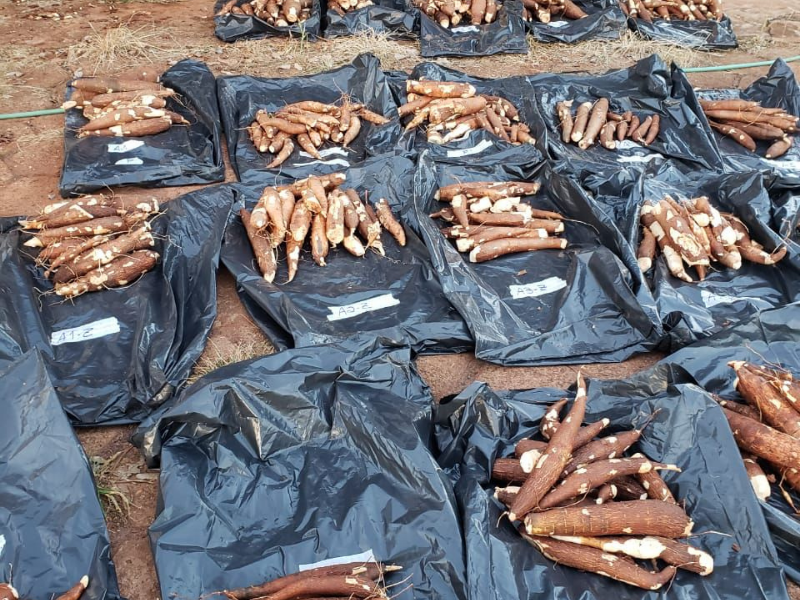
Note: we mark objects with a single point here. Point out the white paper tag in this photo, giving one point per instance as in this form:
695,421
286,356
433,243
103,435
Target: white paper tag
465,29
324,154
480,147
789,165
90,331
125,146
359,308
558,24
537,288
711,299
2,543
363,557
129,161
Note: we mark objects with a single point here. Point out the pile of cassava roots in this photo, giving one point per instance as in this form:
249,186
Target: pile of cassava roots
278,13
545,11
745,121
451,13
453,110
356,581
321,207
342,7
490,220
311,124
696,233
593,121
93,243
583,504
132,104
766,426
679,10
8,592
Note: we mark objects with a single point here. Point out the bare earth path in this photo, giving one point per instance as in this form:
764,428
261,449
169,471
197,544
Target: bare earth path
44,42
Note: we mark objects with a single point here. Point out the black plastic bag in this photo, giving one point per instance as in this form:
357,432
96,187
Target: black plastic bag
52,530
605,21
687,429
115,355
396,17
583,304
305,455
241,96
703,35
779,89
396,296
182,155
478,147
231,27
648,87
772,336
691,311
505,35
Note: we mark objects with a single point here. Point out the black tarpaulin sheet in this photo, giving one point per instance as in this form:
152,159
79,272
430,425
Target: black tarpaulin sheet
582,304
396,17
52,530
298,457
703,35
649,87
231,27
241,96
604,21
397,296
687,429
771,337
115,355
779,89
182,155
477,147
505,35
691,311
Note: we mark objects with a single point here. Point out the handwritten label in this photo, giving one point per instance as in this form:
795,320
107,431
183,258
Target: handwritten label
537,288
129,161
90,331
363,557
125,146
558,24
711,299
326,153
789,165
359,308
480,147
465,29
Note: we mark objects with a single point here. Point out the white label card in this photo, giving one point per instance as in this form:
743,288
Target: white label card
359,308
465,29
537,288
129,161
558,24
90,331
363,557
479,147
125,146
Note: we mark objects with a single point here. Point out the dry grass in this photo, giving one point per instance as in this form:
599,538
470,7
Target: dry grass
35,139
123,47
216,356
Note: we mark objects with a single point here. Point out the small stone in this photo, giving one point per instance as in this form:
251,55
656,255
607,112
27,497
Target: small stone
284,67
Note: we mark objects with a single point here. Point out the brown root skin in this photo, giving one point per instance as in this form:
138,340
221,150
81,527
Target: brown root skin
262,249
764,441
597,119
758,479
564,110
647,250
629,489
547,471
508,470
587,478
670,551
496,248
551,419
389,222
76,591
118,273
743,409
8,592
735,134
779,148
759,393
437,89
593,560
524,445
92,227
638,517
605,448
581,120
656,487
351,586
587,433
319,240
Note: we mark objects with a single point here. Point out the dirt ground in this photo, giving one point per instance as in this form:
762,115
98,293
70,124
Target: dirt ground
43,43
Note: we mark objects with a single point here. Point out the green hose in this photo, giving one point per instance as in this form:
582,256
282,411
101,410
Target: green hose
33,113
762,63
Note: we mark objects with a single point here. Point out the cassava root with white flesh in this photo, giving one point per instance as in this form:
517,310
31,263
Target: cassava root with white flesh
322,210
576,498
